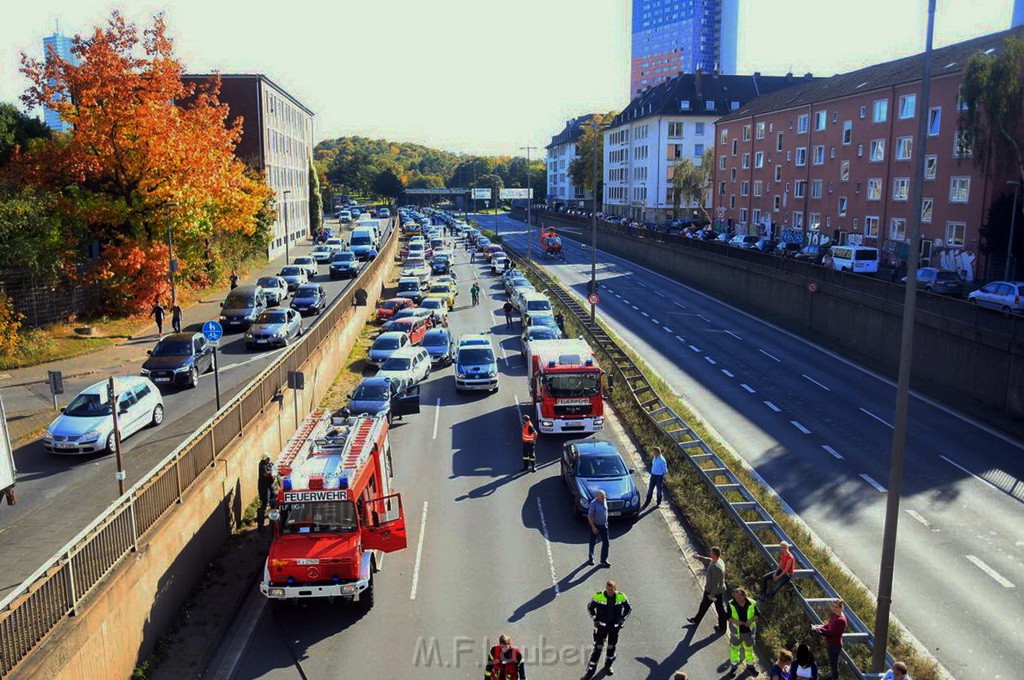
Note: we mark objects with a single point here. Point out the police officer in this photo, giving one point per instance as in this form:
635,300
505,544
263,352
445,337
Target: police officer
529,439
265,487
505,661
609,609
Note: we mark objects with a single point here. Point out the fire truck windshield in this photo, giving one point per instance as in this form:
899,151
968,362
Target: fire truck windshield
561,385
319,518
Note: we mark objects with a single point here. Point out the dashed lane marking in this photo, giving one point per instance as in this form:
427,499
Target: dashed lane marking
883,422
419,554
710,360
996,576
816,383
645,314
799,427
872,482
832,451
769,356
695,348
679,305
734,335
704,317
680,338
666,329
748,388
919,517
437,412
728,374
772,406
547,545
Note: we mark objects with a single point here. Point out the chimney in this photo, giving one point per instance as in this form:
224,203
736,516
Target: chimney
697,82
808,76
789,76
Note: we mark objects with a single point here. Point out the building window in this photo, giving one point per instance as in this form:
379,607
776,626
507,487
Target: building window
722,160
877,151
959,189
842,206
721,188
900,188
709,105
732,201
758,184
934,120
674,151
816,187
743,215
723,136
815,220
759,159
698,128
875,189
675,129
820,119
931,165
778,173
844,171
776,203
903,145
956,234
908,103
898,229
778,142
746,161
800,188
802,123
962,144
847,132
819,155
732,174
759,131
926,209
698,150
757,215
744,188
863,112
801,156
746,133
871,227
735,146
798,220
880,111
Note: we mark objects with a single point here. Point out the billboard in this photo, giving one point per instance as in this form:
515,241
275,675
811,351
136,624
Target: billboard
481,194
516,193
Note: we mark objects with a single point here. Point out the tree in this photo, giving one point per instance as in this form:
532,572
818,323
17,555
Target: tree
17,129
316,201
33,231
493,182
992,94
387,183
692,182
581,169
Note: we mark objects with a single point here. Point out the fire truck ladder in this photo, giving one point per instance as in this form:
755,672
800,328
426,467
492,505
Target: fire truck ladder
297,444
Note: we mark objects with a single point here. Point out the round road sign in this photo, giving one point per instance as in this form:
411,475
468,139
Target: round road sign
213,331
593,298
812,287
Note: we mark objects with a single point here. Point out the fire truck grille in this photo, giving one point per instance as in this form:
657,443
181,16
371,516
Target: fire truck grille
562,410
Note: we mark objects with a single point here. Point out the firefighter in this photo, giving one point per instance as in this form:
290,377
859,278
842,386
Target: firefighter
529,439
505,661
609,609
265,487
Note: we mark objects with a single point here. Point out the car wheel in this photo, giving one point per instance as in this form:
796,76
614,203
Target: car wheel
158,415
193,377
1007,312
111,444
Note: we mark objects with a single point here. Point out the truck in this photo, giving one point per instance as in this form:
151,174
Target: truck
336,514
566,387
7,470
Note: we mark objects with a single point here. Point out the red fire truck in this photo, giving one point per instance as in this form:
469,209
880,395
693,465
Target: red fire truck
336,514
566,386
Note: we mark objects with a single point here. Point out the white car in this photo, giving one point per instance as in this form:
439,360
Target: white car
308,264
498,264
411,365
323,253
437,307
418,268
86,425
344,216
335,244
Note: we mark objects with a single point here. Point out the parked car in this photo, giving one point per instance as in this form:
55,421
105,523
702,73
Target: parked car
411,287
595,464
309,299
241,307
418,312
1006,296
440,345
491,251
294,275
533,303
498,263
385,345
344,216
383,213
274,327
343,265
335,243
418,268
531,333
415,327
812,253
476,367
86,425
308,264
787,249
441,264
274,287
942,281
380,396
764,245
856,259
743,241
178,359
322,254
409,365
443,291
437,307
387,308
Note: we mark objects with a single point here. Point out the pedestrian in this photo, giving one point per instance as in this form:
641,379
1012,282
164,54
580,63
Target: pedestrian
529,440
833,630
897,672
508,313
743,617
508,264
781,575
474,292
265,488
176,317
658,469
803,665
609,610
714,588
780,669
158,315
505,661
560,321
234,280
597,517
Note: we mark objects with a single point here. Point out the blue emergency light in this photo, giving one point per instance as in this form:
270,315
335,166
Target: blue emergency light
589,362
343,483
286,484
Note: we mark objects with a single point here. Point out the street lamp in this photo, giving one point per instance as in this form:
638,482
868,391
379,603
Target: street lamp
1013,224
171,264
597,127
529,201
287,235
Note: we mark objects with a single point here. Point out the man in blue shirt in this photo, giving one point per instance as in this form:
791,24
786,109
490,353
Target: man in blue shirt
597,517
659,467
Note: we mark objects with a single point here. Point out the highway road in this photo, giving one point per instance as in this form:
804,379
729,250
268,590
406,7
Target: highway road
59,495
491,551
818,429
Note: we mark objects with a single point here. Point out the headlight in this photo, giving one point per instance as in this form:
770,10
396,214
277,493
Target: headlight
349,589
223,318
635,500
90,436
276,592
599,420
48,435
143,371
460,375
492,374
183,369
546,423
279,334
274,515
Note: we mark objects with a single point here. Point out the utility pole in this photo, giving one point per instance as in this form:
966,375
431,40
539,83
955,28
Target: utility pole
529,206
112,398
287,234
171,264
899,434
1013,224
597,127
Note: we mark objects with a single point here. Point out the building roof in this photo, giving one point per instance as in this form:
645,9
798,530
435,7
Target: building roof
572,131
686,94
250,76
945,60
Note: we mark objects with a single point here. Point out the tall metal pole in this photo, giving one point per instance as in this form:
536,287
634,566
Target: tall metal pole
170,257
899,435
112,396
529,206
1013,224
593,223
287,234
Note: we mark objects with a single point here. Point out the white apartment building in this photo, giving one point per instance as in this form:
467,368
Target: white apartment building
561,152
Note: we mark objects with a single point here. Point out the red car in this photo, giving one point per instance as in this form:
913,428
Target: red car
387,309
414,327
490,251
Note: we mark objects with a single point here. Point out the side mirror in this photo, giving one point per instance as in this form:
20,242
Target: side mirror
222,305
632,471
62,409
149,351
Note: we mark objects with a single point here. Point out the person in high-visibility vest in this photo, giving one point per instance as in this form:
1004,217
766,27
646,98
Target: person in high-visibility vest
743,617
609,609
529,438
505,661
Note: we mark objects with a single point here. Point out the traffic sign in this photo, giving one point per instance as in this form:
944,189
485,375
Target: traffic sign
593,298
515,193
484,194
213,331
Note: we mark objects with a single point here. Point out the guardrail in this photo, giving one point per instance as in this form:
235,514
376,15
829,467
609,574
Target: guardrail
57,588
745,510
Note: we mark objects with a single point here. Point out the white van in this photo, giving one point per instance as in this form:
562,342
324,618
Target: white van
857,259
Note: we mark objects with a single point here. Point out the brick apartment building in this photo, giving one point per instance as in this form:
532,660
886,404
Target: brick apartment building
837,156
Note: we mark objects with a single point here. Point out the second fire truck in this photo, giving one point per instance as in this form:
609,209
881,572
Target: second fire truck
566,386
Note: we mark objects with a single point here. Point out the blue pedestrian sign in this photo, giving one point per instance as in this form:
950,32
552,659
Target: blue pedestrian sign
212,331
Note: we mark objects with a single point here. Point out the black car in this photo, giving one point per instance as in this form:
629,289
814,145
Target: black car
381,396
594,464
178,360
812,254
309,299
343,265
241,307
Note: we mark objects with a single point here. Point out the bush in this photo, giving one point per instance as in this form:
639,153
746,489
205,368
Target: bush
10,323
127,278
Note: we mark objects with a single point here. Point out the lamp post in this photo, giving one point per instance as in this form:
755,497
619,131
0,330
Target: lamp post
287,235
171,264
1013,224
529,200
597,127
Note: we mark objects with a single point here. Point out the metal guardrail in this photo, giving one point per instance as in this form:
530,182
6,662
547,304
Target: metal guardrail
55,591
738,501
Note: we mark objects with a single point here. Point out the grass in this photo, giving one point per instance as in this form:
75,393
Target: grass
59,341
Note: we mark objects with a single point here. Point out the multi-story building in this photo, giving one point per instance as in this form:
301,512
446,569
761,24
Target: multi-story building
562,150
277,139
59,45
663,125
673,36
837,156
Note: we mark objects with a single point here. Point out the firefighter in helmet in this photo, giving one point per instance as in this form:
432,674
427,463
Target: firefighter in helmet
529,439
505,661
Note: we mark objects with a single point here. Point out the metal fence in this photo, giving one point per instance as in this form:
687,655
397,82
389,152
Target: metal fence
57,588
44,298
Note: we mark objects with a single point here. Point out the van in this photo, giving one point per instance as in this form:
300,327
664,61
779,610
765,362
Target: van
361,242
241,307
857,259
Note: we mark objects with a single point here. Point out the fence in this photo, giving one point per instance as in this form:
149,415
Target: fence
44,299
57,588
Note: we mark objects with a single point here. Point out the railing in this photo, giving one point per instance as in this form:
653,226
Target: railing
744,508
57,588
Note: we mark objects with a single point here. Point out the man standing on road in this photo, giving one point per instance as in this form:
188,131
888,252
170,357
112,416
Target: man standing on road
529,442
265,487
176,317
743,617
474,292
158,315
609,610
658,469
508,313
505,661
597,517
781,575
833,630
714,588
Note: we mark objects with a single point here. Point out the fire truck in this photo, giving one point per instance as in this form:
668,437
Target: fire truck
336,513
566,386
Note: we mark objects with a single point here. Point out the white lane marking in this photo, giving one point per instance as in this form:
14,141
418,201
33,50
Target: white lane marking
660,294
869,480
547,545
642,284
799,427
996,576
734,335
883,422
710,360
655,320
772,406
680,339
704,317
634,307
503,355
249,361
419,554
645,314
626,301
961,467
666,329
679,305
919,517
747,387
519,410
817,383
832,451
437,412
617,295
695,348
728,374
769,355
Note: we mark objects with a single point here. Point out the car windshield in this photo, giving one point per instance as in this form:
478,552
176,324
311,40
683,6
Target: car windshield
947,276
318,518
537,305
866,255
304,260
408,285
573,384
601,466
542,333
345,256
87,406
272,317
172,348
306,291
361,240
435,340
236,300
290,271
393,304
431,303
397,364
439,288
405,313
476,355
269,282
414,264
385,343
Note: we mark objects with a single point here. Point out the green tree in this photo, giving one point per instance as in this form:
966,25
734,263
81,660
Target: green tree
316,201
388,184
581,169
16,129
691,182
35,231
493,182
992,94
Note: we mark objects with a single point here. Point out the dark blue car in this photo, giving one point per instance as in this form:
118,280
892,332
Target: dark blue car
440,346
382,396
594,464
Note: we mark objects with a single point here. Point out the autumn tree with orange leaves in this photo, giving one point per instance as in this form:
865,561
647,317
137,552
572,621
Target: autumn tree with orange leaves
143,146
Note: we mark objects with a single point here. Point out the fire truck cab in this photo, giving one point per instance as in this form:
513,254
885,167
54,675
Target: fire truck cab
336,514
566,387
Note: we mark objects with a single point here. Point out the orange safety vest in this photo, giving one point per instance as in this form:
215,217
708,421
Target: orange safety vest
529,434
508,666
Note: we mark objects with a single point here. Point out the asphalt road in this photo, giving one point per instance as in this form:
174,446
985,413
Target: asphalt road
59,495
491,551
818,429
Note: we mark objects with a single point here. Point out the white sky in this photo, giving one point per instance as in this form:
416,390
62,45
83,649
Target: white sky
480,76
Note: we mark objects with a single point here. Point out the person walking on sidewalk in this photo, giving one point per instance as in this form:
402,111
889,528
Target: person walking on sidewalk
234,280
597,518
176,317
833,630
658,469
529,444
743,618
265,487
782,575
505,661
609,610
508,313
158,315
714,588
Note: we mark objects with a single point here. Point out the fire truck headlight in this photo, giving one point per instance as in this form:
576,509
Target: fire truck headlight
546,423
599,421
349,589
276,592
274,515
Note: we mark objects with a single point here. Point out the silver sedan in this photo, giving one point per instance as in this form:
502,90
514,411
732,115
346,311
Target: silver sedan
274,328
